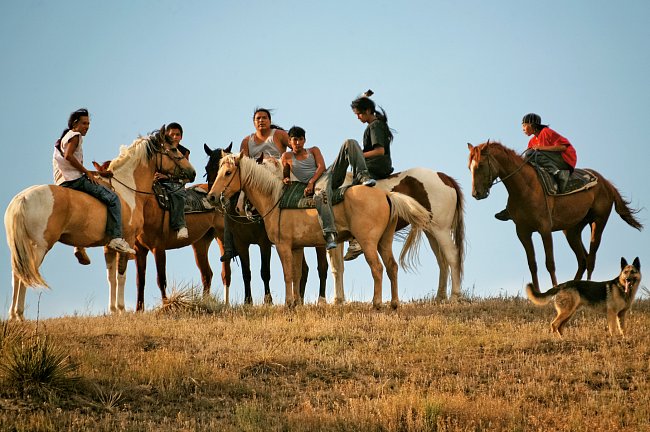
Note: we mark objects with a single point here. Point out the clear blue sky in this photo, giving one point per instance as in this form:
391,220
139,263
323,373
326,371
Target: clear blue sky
446,72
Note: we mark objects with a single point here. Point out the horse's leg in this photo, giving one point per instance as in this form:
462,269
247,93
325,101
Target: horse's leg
526,239
286,258
298,257
449,259
110,257
304,276
574,238
226,274
17,311
547,241
443,277
245,259
597,228
160,256
376,268
122,262
337,268
321,256
201,247
386,252
265,271
141,253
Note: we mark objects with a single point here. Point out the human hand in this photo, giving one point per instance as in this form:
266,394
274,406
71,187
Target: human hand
286,180
160,176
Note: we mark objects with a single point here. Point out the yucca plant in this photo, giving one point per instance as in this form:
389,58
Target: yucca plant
37,365
188,298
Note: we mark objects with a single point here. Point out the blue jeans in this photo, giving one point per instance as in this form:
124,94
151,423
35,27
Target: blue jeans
106,196
177,194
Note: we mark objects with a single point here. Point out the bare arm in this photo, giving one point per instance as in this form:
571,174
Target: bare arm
70,148
243,148
281,140
286,167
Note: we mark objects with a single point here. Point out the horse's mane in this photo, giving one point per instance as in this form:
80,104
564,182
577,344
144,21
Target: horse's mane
258,176
496,146
140,150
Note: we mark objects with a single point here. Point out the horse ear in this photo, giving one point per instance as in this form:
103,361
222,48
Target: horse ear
260,159
637,263
207,149
623,262
488,141
470,146
229,148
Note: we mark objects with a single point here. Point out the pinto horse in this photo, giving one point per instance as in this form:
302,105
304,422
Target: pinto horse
533,211
246,233
42,215
368,214
442,196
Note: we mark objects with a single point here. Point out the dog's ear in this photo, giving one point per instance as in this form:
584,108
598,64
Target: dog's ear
637,263
623,263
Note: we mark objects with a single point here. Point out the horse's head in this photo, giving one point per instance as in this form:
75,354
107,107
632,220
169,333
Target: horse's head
169,159
228,179
214,158
482,170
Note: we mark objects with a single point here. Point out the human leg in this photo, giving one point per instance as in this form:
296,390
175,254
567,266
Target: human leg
325,215
229,250
177,195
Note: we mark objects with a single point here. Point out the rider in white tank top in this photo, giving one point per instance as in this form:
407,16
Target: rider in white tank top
267,147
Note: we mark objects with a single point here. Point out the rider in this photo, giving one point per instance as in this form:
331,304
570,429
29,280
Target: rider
67,163
175,186
549,150
308,166
377,139
268,139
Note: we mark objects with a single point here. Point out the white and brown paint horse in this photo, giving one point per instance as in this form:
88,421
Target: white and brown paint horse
368,214
442,196
42,215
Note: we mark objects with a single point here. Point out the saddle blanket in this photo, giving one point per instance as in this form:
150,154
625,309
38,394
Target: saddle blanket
293,196
580,179
196,198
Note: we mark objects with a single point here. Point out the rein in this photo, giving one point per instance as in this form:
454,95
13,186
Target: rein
498,179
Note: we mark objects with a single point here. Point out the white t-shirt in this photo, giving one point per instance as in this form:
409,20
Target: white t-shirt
63,170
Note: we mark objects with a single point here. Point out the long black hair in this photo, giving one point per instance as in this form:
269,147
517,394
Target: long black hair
363,103
74,118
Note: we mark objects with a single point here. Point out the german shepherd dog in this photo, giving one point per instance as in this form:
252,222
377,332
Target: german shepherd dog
614,296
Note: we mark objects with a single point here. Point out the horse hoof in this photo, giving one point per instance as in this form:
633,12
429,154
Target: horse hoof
394,304
339,301
322,301
376,305
268,299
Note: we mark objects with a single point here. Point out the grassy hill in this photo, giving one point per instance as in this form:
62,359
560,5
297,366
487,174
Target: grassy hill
483,364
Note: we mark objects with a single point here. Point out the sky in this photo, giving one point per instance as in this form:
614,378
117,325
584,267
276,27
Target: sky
446,72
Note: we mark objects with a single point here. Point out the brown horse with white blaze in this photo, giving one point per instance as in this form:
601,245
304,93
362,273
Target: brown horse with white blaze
534,211
368,214
40,216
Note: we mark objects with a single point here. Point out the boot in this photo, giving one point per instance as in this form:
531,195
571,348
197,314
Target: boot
562,178
354,250
330,240
503,215
81,255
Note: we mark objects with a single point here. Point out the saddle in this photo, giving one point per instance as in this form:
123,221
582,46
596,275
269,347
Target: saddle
579,180
196,198
294,197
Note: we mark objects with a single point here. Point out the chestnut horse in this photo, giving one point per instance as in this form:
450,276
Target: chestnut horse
534,211
246,232
40,216
368,214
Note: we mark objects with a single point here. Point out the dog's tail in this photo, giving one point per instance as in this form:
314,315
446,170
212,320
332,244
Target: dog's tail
540,298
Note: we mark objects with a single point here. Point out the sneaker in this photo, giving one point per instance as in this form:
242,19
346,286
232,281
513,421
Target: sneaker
330,240
503,215
120,245
81,255
354,250
370,182
182,233
364,179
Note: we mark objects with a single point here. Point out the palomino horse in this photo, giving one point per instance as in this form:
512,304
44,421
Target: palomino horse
40,216
246,232
442,196
532,210
368,214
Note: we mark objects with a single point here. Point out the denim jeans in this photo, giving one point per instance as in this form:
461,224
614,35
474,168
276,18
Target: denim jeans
549,160
106,196
177,194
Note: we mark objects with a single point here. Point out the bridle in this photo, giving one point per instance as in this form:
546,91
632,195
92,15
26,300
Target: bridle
496,179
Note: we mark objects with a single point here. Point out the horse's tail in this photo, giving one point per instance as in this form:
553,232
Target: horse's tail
23,250
418,217
622,206
458,224
539,298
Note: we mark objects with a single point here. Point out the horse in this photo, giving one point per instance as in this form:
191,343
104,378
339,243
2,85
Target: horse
42,215
368,214
246,232
156,237
442,196
534,211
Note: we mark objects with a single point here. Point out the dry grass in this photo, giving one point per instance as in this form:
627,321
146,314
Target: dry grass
479,365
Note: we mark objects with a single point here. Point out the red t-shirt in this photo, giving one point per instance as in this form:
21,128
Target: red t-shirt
548,137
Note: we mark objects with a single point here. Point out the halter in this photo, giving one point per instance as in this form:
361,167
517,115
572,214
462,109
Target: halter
496,179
